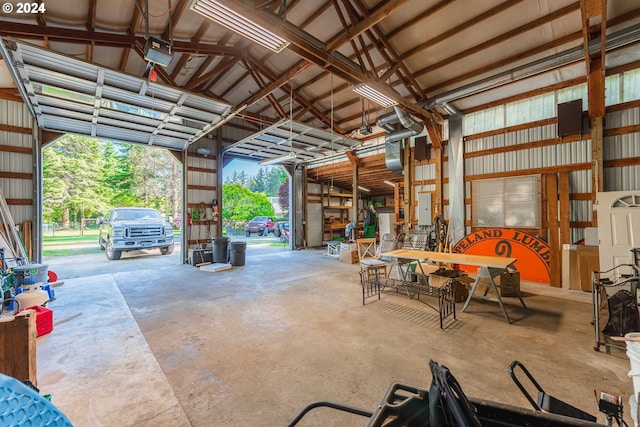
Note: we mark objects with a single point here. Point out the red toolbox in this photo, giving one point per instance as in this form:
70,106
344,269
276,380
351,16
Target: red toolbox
44,319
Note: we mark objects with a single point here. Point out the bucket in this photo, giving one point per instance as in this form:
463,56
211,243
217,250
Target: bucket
220,249
237,253
30,274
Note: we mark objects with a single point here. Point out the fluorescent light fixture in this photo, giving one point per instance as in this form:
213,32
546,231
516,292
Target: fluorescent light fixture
373,95
363,188
389,183
278,159
226,17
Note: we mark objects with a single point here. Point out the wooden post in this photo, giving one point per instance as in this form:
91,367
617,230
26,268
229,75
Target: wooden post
18,346
437,195
554,245
563,193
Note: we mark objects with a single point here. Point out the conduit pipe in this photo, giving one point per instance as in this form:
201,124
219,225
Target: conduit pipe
614,41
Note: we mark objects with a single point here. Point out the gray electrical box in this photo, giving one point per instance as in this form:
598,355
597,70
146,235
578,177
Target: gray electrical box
424,209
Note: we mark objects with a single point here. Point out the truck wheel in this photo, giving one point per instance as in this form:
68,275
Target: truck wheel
112,254
166,250
276,231
101,243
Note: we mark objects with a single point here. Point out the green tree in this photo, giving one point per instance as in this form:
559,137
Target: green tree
154,177
268,180
258,184
283,196
238,178
117,172
275,178
239,204
72,174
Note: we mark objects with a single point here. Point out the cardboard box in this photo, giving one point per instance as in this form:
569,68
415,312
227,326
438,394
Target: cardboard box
570,278
507,283
349,246
440,277
348,257
588,260
461,283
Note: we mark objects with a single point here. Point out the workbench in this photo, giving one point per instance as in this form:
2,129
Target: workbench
490,267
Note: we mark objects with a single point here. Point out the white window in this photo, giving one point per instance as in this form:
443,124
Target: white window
507,202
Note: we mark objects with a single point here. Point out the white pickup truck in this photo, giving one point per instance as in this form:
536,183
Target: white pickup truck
131,229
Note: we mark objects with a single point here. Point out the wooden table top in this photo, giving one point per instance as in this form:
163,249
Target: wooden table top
466,259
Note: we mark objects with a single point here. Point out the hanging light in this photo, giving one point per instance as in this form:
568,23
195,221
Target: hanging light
374,95
284,158
221,14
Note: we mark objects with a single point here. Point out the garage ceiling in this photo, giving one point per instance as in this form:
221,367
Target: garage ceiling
428,55
289,142
69,95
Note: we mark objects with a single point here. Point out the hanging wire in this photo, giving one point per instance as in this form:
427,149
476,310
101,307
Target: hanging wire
333,164
291,120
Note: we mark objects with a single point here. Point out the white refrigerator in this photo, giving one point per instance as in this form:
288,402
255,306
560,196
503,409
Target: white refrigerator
386,223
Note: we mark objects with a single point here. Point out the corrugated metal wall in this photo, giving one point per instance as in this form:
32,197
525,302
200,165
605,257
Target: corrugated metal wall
521,159
622,147
17,160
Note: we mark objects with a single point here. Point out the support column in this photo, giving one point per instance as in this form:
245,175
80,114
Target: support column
408,189
457,209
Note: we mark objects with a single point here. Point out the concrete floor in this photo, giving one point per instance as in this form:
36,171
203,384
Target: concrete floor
170,345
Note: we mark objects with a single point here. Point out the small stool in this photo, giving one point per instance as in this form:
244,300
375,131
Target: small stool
333,248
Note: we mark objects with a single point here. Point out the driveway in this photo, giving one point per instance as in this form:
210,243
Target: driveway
68,267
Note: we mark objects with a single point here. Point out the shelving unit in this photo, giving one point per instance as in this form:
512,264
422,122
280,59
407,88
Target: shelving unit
335,213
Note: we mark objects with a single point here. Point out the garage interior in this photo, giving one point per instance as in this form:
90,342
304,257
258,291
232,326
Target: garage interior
448,117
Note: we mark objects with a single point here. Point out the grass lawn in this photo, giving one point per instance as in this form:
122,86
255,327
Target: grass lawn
70,242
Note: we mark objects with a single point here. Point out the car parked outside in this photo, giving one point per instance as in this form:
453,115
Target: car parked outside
262,225
131,229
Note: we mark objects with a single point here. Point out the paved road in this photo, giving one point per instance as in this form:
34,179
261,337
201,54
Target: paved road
67,267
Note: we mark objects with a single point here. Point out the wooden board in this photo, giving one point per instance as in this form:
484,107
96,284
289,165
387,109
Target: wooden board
18,346
453,258
213,268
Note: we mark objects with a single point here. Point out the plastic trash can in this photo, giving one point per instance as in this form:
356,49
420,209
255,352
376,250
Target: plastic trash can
237,252
220,247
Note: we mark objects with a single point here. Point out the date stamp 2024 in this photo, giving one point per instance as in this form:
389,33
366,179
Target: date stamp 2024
24,8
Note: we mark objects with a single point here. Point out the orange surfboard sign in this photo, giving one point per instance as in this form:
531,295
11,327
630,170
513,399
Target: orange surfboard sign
532,253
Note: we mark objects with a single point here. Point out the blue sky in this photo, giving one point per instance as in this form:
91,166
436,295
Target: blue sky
250,168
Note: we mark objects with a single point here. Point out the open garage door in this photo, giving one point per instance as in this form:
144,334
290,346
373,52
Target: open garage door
67,95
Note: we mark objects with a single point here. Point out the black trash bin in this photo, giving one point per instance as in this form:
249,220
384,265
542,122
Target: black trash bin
237,252
220,245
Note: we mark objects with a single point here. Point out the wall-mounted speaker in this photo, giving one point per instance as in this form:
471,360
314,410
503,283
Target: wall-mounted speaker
421,149
570,118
